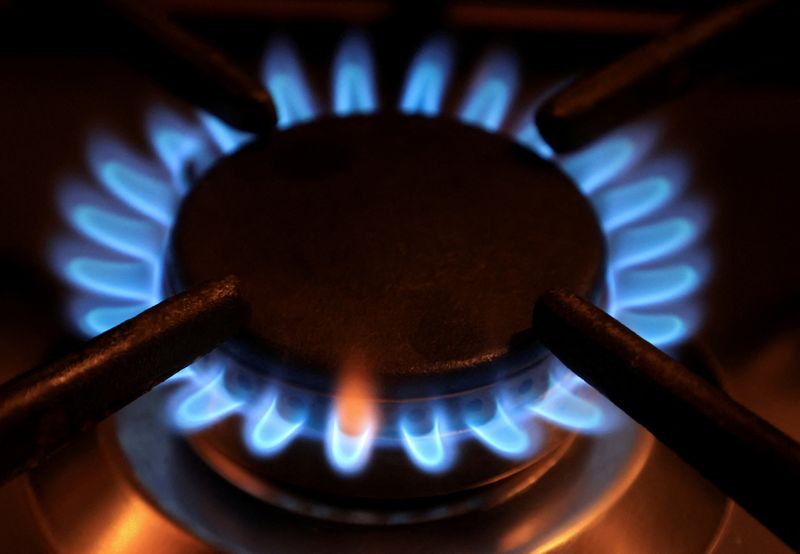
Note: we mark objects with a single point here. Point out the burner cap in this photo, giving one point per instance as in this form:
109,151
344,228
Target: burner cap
417,246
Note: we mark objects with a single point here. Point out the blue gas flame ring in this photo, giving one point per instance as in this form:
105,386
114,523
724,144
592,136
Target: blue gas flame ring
653,229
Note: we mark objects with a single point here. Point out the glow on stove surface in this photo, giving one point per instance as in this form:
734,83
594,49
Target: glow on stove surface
122,215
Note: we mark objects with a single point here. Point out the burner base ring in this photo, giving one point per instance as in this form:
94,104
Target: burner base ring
382,511
137,470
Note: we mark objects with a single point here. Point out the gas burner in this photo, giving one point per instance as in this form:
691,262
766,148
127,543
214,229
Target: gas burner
363,246
392,306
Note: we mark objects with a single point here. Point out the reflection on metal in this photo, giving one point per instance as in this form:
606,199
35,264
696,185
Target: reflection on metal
121,519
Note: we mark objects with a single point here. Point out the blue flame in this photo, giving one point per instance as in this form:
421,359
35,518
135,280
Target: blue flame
529,136
129,280
659,329
645,243
287,85
99,320
426,447
353,78
427,78
499,431
643,287
179,145
600,163
267,430
225,137
120,259
562,405
122,221
144,193
527,133
492,91
347,453
128,235
629,203
206,404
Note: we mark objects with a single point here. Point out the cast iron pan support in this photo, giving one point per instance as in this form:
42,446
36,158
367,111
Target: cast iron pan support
42,409
185,65
744,456
648,76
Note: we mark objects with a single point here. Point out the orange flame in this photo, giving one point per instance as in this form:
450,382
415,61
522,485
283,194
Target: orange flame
354,403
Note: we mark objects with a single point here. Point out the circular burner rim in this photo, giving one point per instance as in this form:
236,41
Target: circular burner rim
292,363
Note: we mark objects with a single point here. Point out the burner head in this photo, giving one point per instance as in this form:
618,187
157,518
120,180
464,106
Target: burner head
416,245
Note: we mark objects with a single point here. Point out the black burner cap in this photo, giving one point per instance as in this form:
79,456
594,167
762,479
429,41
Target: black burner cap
415,245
